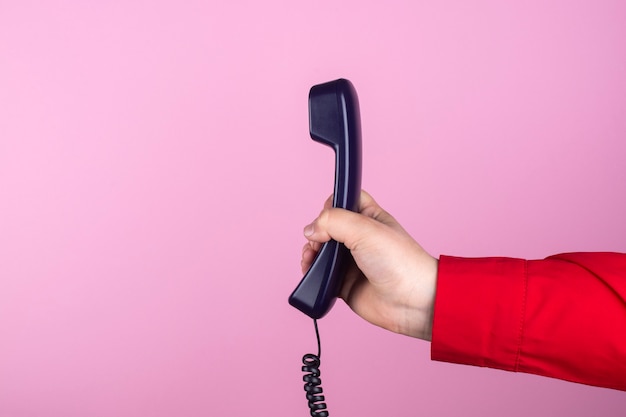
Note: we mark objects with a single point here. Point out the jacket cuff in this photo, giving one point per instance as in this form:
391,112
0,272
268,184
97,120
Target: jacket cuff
479,310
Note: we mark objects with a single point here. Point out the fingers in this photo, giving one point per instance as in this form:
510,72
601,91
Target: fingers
370,208
308,254
329,202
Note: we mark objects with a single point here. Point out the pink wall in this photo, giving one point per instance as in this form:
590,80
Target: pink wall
156,172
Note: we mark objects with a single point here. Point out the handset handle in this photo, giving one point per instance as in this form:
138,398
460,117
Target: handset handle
334,120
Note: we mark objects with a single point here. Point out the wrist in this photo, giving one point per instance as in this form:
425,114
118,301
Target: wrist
418,310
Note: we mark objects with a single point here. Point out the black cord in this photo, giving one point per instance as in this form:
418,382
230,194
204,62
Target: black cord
312,380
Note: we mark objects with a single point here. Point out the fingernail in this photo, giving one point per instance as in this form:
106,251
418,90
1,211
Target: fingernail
308,231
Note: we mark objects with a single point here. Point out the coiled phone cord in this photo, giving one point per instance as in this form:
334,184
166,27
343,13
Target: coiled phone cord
312,380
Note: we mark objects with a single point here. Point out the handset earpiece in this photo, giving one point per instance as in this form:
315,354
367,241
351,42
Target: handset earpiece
334,120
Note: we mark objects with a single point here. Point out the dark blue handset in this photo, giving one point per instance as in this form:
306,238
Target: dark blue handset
334,120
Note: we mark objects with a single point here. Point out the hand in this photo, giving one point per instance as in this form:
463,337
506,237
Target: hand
392,281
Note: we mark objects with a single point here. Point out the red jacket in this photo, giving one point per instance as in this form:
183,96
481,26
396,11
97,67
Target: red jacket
562,317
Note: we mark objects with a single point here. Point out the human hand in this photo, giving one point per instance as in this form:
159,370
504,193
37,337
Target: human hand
392,281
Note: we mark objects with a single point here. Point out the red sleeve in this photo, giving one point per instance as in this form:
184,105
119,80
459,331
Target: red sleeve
562,317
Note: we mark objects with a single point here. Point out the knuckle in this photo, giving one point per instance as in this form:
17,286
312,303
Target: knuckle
324,217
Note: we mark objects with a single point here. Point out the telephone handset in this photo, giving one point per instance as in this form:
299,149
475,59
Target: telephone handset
334,120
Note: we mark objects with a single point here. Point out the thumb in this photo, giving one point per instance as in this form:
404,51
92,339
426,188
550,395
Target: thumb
342,225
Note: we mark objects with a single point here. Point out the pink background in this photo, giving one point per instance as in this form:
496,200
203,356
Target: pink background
156,173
